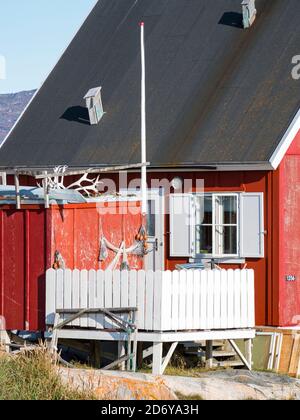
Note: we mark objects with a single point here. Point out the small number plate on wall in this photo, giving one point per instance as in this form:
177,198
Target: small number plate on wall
291,278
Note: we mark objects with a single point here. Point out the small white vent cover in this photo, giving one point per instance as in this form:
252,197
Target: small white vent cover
249,13
94,105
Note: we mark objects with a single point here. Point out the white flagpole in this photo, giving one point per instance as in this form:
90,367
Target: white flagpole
143,130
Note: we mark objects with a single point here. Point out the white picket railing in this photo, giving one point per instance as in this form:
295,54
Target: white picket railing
166,301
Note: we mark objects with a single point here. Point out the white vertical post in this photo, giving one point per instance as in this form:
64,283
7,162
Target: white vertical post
143,128
157,358
17,187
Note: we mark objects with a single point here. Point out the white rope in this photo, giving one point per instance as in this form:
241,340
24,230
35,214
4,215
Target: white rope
115,249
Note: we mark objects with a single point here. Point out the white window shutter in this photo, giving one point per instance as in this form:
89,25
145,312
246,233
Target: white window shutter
182,225
252,225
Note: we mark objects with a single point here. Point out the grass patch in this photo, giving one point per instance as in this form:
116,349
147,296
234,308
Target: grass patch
32,376
182,397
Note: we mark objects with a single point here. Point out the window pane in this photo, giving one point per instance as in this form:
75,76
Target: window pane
229,205
204,239
204,210
230,240
151,218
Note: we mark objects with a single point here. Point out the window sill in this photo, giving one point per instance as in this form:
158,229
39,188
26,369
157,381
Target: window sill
218,261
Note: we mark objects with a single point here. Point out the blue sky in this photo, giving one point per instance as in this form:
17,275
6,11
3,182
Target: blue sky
33,35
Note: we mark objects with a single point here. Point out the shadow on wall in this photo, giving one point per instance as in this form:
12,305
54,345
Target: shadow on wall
233,19
77,114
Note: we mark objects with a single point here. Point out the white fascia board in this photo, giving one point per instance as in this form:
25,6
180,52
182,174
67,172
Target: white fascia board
286,142
47,77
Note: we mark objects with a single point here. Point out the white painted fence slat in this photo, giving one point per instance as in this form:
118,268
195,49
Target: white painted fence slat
84,297
189,297
92,297
224,300
149,302
175,301
182,300
230,299
157,304
100,287
196,299
51,296
210,301
166,301
203,300
141,279
217,300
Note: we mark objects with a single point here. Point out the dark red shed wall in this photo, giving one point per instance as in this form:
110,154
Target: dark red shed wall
29,238
22,267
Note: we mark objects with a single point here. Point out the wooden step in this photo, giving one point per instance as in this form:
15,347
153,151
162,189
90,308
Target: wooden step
221,353
228,364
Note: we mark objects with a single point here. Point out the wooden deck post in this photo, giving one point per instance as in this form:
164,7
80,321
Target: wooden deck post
97,354
209,354
249,352
122,353
157,368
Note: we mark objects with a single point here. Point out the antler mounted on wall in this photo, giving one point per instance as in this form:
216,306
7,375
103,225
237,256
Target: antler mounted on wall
85,185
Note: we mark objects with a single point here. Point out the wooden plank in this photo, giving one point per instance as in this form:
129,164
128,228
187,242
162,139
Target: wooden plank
50,296
92,297
182,300
132,288
295,357
210,300
203,300
157,307
251,299
149,300
217,300
230,299
75,294
125,289
237,298
84,296
116,289
244,299
141,284
189,298
99,301
224,299
196,300
175,302
166,301
60,289
67,289
108,295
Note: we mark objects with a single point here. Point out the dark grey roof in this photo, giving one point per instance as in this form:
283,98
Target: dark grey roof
215,93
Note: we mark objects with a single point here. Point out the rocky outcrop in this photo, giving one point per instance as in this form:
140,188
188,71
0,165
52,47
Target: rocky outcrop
11,106
222,385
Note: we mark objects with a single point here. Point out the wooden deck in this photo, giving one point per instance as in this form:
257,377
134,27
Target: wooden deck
166,301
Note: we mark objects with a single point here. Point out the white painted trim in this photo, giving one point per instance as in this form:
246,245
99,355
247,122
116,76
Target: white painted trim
46,78
286,142
171,337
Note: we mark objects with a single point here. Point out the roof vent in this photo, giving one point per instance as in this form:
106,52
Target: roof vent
94,105
249,13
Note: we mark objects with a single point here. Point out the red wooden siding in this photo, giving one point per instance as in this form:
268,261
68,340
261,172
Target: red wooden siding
22,251
76,233
29,239
289,244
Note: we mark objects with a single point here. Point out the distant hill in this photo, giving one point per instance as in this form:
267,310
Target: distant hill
11,106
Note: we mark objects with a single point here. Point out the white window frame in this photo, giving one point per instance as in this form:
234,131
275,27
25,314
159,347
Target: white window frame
214,225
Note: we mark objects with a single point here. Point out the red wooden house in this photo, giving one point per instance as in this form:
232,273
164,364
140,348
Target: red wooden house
222,107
